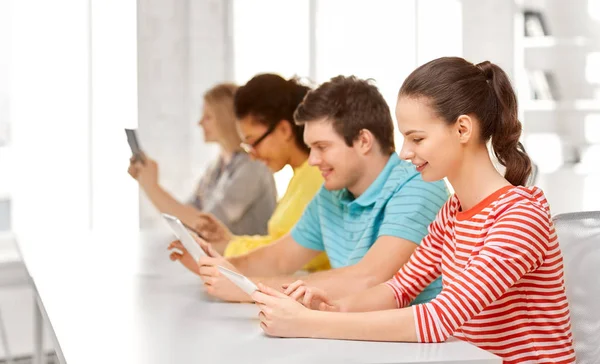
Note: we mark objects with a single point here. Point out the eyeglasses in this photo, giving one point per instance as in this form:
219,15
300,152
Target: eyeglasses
248,148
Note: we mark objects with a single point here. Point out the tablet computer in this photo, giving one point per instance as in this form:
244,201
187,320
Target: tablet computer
239,280
134,145
184,236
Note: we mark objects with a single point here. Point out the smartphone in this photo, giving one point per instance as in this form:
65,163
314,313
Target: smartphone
134,145
239,280
184,236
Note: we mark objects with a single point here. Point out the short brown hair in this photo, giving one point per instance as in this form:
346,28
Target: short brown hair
454,87
352,105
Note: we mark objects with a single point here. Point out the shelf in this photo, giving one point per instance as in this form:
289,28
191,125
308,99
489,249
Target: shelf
550,42
551,105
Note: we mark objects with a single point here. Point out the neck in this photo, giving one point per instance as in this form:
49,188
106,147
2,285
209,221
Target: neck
227,154
476,178
297,157
369,173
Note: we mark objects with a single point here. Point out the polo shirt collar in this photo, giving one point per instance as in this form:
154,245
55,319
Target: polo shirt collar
369,197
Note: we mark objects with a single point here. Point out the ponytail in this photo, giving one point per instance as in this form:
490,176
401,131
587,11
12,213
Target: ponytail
507,129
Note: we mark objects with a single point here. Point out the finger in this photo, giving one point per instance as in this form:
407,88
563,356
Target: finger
297,294
175,256
308,297
208,271
263,298
176,245
203,244
209,281
208,261
292,287
270,291
261,306
264,327
325,307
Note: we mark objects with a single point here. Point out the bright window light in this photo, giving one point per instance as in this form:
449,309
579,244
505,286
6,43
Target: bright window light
594,9
369,39
545,149
592,67
591,202
270,36
114,32
592,128
434,15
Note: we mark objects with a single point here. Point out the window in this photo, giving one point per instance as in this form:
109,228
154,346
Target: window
374,39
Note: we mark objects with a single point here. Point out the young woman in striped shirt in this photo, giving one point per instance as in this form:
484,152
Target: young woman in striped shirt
493,242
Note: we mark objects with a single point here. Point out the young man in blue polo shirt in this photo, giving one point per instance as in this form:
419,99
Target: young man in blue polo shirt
369,216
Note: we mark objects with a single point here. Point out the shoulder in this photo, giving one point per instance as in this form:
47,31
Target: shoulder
406,181
525,207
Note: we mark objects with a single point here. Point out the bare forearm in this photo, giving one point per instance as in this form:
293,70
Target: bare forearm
391,325
259,262
378,298
340,282
165,203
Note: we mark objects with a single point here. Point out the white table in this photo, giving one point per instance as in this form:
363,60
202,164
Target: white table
122,301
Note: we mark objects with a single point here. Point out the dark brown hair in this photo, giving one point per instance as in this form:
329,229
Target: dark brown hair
270,99
352,105
456,87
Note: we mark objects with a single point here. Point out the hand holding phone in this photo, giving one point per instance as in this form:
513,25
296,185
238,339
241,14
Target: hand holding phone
134,145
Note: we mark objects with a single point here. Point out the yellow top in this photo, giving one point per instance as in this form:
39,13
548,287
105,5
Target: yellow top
303,186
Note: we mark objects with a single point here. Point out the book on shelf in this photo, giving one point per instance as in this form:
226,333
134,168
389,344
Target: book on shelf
543,85
535,24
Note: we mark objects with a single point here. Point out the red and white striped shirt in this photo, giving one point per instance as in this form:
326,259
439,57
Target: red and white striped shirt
502,275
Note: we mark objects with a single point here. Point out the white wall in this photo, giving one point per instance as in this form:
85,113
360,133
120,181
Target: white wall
182,51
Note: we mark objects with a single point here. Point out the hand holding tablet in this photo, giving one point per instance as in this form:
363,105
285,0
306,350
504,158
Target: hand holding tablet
239,280
184,236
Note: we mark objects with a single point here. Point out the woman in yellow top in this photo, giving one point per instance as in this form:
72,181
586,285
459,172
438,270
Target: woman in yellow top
264,109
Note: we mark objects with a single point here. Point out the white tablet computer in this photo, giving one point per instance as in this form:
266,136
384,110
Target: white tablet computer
184,236
239,280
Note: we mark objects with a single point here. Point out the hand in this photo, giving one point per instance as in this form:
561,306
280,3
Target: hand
184,257
212,229
145,173
216,284
281,315
311,297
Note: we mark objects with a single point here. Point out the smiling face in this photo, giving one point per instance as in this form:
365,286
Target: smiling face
340,165
435,147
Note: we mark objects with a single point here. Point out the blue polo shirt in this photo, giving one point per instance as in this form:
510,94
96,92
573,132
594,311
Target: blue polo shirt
398,203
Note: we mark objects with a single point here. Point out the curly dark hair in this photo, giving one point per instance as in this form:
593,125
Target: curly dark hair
271,99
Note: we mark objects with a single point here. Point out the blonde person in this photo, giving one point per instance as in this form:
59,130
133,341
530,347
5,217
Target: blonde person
264,109
240,192
493,243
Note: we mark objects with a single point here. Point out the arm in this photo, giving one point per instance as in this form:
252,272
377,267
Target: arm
382,260
165,203
240,245
283,257
282,316
147,176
